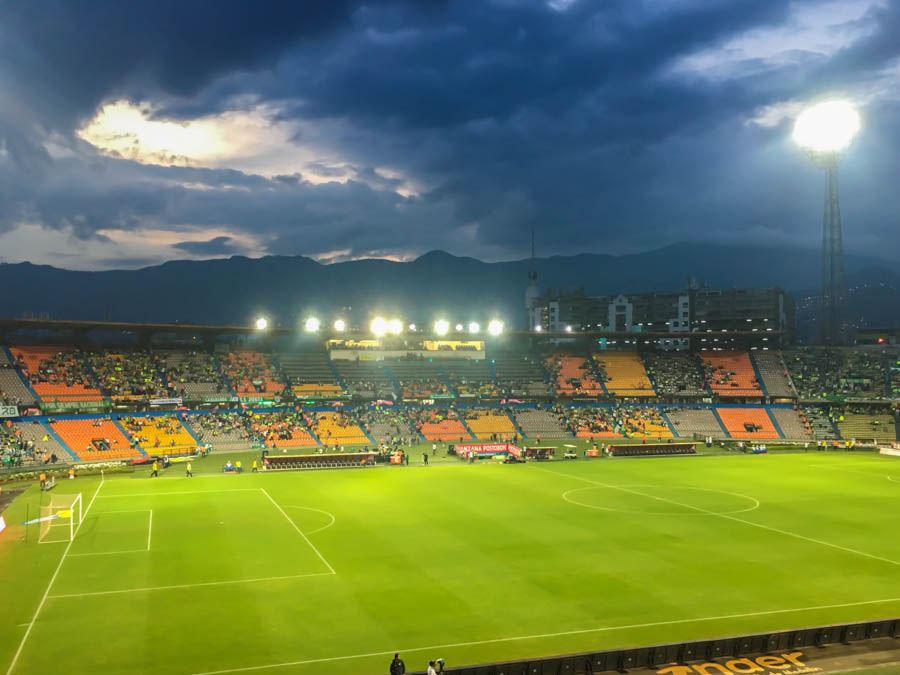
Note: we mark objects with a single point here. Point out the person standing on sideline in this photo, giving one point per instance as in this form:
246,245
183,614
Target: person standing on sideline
397,666
155,470
406,456
433,449
188,473
425,458
254,468
431,670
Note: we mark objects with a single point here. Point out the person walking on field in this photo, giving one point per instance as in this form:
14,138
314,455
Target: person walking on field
188,473
255,468
425,458
155,470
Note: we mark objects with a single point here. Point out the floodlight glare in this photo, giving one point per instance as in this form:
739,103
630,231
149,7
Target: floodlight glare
412,327
379,326
441,326
340,325
311,325
826,127
262,323
395,326
537,329
474,327
495,327
459,327
568,329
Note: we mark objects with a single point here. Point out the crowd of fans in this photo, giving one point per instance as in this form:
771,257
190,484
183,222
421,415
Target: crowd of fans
821,372
65,367
675,374
128,375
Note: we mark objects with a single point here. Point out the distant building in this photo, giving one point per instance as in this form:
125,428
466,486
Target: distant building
696,310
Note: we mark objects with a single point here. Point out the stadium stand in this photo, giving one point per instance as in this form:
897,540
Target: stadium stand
749,423
57,373
24,443
617,422
334,428
309,374
792,424
540,422
863,426
163,433
690,421
222,430
439,425
857,373
12,389
572,376
94,439
366,380
624,374
251,374
128,376
589,422
675,374
820,423
279,429
774,374
386,425
521,376
470,378
192,375
489,424
418,379
730,373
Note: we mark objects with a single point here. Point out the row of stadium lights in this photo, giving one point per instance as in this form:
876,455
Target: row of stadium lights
380,326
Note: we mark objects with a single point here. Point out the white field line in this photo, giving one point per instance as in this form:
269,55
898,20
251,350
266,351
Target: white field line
186,492
62,559
135,550
602,629
728,517
179,586
149,529
309,508
299,531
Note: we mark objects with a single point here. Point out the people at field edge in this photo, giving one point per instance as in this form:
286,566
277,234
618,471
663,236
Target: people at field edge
155,470
188,473
397,666
254,468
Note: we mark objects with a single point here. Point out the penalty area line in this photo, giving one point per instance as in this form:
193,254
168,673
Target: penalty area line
601,629
299,531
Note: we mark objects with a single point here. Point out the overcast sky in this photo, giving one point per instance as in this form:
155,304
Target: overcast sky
136,132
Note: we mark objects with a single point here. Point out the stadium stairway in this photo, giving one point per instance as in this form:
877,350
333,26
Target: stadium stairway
187,428
224,375
62,443
398,390
309,430
721,423
769,413
25,382
446,380
665,417
95,378
762,383
515,423
124,432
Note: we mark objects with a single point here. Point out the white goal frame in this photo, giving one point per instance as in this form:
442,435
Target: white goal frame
54,515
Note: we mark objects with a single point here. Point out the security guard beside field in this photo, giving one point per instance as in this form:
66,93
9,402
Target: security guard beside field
397,666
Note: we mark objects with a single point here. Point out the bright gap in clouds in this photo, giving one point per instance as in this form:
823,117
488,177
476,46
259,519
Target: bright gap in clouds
251,140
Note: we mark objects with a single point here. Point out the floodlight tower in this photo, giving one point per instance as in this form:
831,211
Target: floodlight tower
824,131
532,291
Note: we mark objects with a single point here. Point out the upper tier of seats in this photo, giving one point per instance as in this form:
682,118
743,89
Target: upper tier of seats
774,373
366,379
192,375
251,374
573,376
418,379
470,378
128,375
520,376
309,374
95,439
730,373
624,374
12,389
863,372
675,374
57,373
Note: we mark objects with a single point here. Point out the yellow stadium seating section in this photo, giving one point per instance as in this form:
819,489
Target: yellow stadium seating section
484,425
159,433
331,429
626,375
316,390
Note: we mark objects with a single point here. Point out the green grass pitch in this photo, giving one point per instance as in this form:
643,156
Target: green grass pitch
332,571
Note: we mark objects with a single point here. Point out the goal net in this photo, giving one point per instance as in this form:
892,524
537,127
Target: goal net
60,518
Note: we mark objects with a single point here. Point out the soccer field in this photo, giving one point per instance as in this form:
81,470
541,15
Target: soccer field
333,571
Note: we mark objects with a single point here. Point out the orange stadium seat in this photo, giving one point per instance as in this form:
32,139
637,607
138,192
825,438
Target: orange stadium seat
740,421
84,435
625,374
251,374
573,376
56,374
730,373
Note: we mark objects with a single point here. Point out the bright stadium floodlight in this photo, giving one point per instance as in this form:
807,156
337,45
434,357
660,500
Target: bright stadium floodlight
568,329
474,328
262,323
395,326
311,325
538,329
379,326
459,328
824,131
441,326
495,327
340,325
826,127
412,328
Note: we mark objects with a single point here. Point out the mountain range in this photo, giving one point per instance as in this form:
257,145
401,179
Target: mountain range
286,288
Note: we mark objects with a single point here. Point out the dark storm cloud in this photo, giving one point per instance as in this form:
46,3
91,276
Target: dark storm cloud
491,117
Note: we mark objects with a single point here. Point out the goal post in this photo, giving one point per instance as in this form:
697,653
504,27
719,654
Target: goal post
60,518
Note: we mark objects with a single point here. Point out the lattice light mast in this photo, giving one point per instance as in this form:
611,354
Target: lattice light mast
824,131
